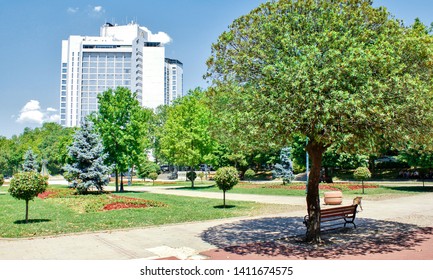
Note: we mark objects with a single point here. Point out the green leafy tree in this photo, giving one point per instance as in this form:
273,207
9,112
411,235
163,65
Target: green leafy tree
185,138
226,178
333,71
49,143
87,168
4,155
124,128
30,161
146,167
2,179
53,145
362,173
26,186
420,158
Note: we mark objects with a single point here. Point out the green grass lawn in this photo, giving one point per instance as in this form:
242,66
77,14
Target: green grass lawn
72,214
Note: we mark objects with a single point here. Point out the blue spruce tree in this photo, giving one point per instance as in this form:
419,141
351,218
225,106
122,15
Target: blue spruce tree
87,168
285,169
30,161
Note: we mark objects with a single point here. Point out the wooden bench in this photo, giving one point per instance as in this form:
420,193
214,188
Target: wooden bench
336,216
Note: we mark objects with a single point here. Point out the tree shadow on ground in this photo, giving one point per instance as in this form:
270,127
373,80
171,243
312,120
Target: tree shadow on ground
31,221
224,206
282,236
195,188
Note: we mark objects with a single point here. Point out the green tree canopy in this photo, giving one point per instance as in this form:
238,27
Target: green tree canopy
124,128
226,178
333,71
185,138
26,186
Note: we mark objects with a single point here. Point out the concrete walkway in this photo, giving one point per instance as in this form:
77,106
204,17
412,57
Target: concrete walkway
188,240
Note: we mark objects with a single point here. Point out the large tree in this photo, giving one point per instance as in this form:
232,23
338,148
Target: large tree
335,71
123,126
185,138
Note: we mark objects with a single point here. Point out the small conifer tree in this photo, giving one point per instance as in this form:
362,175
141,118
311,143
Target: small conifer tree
30,161
87,155
285,169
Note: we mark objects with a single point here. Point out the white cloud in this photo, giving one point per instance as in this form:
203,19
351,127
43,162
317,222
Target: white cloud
97,9
32,113
71,10
161,37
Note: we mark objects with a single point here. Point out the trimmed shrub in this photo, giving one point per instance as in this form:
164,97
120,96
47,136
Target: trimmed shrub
191,175
249,174
362,173
201,175
26,186
226,178
153,176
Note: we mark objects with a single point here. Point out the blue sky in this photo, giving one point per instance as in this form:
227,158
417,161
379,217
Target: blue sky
32,31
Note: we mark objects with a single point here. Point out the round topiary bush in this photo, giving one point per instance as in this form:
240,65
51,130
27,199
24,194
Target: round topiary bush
249,174
153,176
191,175
26,186
226,178
362,173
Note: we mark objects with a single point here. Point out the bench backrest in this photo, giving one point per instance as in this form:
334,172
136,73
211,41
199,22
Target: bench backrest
343,211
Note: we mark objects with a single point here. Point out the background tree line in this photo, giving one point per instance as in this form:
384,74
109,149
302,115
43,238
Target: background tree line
184,134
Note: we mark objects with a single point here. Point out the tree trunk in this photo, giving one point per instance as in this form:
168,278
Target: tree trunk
224,198
328,175
192,181
117,180
121,181
27,211
315,151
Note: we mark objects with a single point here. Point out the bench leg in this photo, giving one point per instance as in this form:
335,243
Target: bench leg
346,222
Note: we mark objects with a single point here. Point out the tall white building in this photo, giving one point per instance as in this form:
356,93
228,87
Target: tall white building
173,86
121,56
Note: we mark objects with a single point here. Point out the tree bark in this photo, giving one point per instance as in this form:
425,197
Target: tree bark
192,181
121,181
224,199
315,151
27,211
117,180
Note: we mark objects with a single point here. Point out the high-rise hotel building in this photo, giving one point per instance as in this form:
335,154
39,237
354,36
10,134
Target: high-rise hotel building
121,56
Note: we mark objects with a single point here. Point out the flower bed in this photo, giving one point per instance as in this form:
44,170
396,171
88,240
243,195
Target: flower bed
91,203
